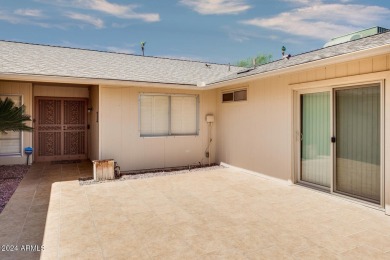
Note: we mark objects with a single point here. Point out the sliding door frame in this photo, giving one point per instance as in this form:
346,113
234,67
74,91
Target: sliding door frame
298,174
299,146
297,137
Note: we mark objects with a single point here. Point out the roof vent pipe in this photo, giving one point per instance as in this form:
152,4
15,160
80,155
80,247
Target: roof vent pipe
285,56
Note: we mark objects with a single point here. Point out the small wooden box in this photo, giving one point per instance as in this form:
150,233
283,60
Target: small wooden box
103,170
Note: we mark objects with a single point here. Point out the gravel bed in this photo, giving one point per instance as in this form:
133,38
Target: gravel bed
143,175
10,177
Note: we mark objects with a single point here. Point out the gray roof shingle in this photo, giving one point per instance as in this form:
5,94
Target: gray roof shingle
33,59
320,54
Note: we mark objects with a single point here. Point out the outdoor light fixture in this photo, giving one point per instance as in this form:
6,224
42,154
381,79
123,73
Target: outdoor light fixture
28,151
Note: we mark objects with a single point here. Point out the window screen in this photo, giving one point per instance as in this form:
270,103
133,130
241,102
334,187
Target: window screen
227,97
154,115
240,95
236,95
183,115
163,115
11,142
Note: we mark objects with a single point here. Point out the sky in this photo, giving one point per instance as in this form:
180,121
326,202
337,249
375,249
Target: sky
221,31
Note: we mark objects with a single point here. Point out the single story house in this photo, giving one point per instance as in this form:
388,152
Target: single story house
320,119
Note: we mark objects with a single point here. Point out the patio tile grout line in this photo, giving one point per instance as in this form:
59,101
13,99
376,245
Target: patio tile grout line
59,224
25,219
93,219
277,200
330,195
128,185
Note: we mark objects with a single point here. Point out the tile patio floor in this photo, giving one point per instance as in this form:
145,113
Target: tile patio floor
218,214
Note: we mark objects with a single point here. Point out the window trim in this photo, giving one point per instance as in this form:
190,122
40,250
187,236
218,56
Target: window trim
19,154
233,91
169,114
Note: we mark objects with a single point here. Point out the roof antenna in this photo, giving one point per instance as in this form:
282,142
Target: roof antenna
284,56
143,48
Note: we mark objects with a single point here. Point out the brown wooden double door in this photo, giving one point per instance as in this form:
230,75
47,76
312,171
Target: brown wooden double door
60,129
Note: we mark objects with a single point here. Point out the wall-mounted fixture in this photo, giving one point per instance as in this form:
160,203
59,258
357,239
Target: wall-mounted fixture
210,118
210,121
89,109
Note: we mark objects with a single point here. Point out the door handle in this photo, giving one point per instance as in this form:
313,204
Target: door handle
333,139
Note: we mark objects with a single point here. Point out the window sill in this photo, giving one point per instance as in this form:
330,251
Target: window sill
11,155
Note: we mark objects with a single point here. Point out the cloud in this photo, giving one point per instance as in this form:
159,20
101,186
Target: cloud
314,2
240,35
29,12
25,17
104,6
303,2
206,7
98,23
9,18
324,21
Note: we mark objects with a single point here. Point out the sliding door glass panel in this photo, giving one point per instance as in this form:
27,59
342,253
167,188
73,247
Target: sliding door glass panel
315,138
358,142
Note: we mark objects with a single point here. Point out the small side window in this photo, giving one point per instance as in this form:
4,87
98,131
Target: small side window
227,97
240,95
235,95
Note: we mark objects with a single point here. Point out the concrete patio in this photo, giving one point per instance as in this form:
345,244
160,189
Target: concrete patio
221,213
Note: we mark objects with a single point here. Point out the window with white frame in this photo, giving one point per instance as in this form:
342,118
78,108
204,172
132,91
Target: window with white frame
11,142
164,115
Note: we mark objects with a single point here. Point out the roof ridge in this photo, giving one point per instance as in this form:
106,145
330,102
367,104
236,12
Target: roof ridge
113,52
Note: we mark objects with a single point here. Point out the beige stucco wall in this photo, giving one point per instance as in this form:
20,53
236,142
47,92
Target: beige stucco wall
24,89
61,91
258,134
120,137
254,134
93,133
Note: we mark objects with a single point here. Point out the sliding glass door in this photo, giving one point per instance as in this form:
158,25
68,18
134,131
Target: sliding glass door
357,117
315,134
340,141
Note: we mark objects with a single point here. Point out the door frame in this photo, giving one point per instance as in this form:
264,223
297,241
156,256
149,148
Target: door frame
297,173
36,136
297,92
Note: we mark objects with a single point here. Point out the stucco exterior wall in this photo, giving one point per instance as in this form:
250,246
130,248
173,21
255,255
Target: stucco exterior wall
93,132
258,134
24,89
61,91
120,136
254,134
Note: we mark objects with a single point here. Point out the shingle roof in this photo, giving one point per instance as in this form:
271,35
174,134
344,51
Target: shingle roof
33,59
320,54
